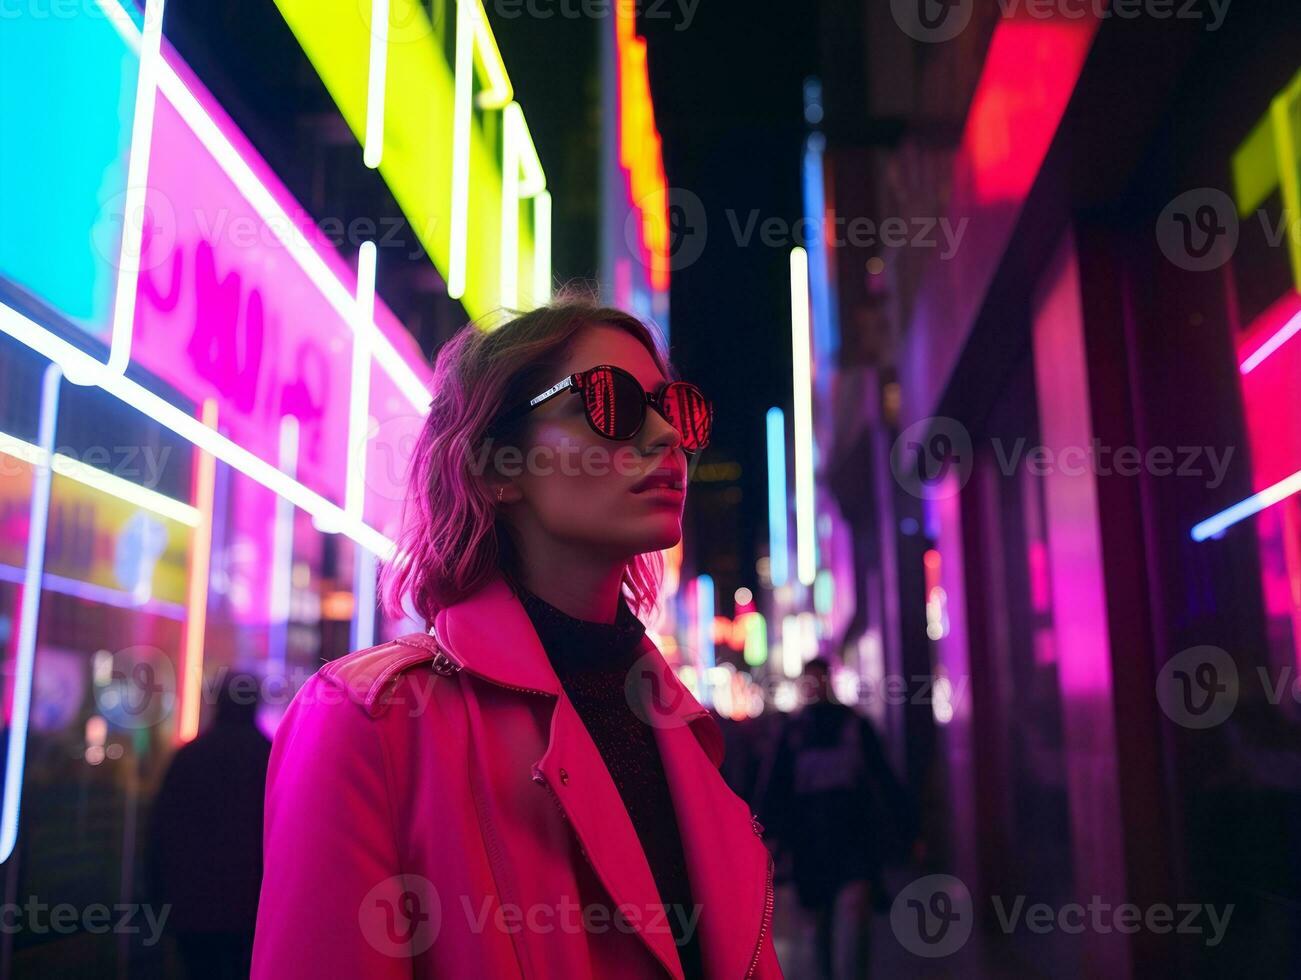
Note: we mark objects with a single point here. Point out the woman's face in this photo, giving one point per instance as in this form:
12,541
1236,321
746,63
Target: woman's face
580,488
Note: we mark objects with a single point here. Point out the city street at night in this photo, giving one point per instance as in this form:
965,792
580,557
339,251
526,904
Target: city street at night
650,489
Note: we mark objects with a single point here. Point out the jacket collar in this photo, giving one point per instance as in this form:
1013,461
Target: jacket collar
489,633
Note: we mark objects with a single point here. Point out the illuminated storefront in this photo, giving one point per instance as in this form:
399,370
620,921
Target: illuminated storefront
1097,527
205,407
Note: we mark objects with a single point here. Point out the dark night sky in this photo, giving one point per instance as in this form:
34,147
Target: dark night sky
728,99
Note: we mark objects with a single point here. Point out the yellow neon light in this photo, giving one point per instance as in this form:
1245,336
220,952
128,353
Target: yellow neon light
1267,159
441,163
105,482
522,178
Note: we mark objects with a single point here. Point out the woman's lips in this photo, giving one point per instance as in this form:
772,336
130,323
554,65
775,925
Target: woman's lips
662,494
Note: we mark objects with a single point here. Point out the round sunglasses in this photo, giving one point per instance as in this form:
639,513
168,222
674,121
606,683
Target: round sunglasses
615,405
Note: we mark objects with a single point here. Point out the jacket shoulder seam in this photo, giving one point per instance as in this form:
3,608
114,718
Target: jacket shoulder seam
364,682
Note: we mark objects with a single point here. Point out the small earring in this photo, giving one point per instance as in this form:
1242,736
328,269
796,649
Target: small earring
500,491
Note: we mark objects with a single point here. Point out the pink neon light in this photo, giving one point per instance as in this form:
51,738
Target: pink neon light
1030,71
226,312
1269,394
1276,336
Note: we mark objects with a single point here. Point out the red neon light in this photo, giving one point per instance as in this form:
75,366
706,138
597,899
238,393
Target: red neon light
640,146
1269,396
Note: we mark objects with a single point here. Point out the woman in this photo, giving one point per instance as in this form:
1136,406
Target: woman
526,790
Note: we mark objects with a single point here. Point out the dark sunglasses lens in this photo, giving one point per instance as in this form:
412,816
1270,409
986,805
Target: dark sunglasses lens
687,410
615,403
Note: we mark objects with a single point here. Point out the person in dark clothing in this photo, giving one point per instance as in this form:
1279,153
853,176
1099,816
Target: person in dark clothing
830,800
205,848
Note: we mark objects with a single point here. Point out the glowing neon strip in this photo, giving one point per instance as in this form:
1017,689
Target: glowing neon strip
237,169
28,616
805,529
72,359
363,609
137,184
778,506
373,151
92,592
282,549
472,36
792,649
101,480
359,398
756,639
1280,111
705,633
196,618
542,248
521,177
1284,334
1254,504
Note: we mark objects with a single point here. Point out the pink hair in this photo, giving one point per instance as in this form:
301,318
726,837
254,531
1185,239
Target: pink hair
451,542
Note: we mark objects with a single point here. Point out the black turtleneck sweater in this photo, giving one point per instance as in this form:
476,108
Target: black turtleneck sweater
592,661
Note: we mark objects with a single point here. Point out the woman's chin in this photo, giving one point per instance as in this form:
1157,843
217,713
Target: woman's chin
659,533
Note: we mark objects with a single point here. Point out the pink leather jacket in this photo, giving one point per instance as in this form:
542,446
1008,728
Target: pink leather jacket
436,808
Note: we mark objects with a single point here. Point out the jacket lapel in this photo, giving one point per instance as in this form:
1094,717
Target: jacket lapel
490,635
727,861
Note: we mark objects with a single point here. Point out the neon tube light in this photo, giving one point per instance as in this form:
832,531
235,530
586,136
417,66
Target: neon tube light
282,548
359,397
521,178
1284,334
805,528
472,37
542,248
377,72
28,616
73,359
778,506
273,216
137,184
196,619
98,479
363,607
1254,504
92,592
705,634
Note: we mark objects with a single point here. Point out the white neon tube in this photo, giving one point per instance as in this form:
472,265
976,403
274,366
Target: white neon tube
805,513
137,182
28,616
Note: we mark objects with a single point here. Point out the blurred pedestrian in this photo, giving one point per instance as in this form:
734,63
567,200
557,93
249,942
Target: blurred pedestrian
830,802
205,847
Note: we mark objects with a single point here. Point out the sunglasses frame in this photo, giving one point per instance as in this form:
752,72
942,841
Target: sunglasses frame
575,384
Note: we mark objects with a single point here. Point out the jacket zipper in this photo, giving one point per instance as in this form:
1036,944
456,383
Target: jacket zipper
768,902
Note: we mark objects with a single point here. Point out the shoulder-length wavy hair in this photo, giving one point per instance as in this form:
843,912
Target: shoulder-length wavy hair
451,540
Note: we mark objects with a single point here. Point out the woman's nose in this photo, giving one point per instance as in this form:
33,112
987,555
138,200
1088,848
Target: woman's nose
659,433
